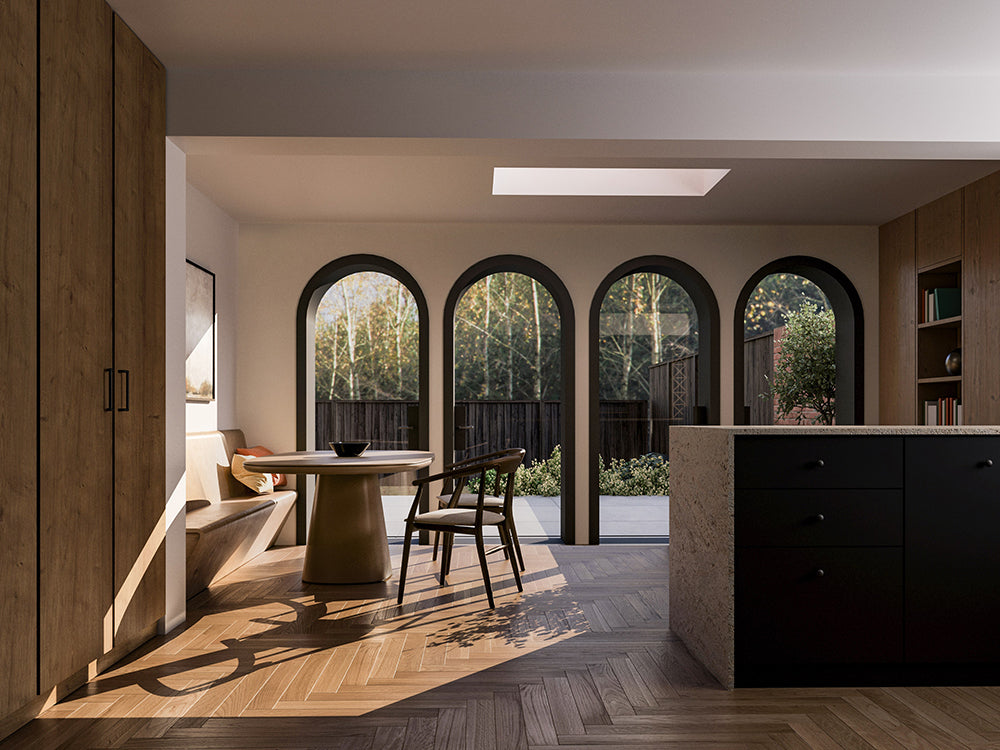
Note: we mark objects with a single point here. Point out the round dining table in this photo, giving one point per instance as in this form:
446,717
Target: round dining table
347,542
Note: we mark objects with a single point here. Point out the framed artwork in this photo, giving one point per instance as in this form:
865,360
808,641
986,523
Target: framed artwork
199,364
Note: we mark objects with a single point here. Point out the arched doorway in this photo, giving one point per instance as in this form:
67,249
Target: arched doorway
845,303
677,312
405,419
531,324
789,335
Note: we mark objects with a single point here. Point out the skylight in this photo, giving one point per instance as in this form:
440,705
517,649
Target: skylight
600,181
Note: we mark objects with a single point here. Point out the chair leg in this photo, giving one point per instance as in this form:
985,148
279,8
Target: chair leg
437,539
481,549
506,531
446,545
517,543
406,560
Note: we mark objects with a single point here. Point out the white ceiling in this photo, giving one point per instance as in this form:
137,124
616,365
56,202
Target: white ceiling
413,179
383,179
861,36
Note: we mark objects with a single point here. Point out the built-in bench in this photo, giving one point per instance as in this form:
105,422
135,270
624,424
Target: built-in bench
227,524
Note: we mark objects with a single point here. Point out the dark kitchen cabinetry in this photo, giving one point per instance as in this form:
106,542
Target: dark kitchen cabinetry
866,559
952,552
819,556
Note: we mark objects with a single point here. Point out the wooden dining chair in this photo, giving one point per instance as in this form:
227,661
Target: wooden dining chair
493,501
470,521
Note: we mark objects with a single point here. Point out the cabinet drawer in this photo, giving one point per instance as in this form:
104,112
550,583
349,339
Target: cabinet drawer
816,518
819,606
818,461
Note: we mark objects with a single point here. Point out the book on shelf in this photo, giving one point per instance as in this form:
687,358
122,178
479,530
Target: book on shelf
940,303
947,302
945,411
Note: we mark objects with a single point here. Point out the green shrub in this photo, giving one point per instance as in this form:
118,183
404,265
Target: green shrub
645,475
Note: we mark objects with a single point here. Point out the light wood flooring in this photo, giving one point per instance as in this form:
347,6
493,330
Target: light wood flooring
584,658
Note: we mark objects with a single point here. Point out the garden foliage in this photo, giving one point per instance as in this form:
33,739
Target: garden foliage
805,375
645,475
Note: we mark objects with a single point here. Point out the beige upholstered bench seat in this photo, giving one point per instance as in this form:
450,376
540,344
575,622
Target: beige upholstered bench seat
226,524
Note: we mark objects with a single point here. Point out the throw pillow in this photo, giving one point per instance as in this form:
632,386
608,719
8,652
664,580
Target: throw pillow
258,451
259,483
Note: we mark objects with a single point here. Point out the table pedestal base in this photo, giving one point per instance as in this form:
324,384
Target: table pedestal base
347,540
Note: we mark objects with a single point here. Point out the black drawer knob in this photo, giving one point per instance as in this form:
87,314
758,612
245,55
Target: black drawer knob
819,463
820,572
988,462
820,517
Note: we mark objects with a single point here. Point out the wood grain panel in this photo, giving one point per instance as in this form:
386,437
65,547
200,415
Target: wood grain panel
897,307
140,470
75,293
981,302
18,363
939,230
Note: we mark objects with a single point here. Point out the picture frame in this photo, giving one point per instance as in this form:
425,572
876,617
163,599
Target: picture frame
199,319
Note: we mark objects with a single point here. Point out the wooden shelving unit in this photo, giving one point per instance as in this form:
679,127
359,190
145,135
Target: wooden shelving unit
937,338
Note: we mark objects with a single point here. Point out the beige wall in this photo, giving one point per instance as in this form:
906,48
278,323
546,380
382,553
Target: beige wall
212,243
276,262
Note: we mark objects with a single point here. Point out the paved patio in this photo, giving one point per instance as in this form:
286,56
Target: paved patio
642,516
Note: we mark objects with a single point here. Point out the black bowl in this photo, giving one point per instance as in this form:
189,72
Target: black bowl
350,449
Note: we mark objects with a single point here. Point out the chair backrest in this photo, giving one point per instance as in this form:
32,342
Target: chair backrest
506,466
497,489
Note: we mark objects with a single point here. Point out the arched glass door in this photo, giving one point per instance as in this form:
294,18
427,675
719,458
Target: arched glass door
508,388
648,380
789,344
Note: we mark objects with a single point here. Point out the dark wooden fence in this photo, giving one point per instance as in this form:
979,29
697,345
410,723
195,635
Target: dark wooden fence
672,397
758,369
628,428
384,423
488,425
484,426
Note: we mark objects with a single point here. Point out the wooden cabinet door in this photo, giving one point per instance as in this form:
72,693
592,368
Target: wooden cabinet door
75,316
939,230
18,350
981,302
897,306
140,472
952,553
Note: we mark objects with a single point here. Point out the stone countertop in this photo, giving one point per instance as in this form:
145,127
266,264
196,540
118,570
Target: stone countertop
884,429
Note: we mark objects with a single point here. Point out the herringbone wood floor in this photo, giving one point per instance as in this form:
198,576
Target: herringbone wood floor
583,658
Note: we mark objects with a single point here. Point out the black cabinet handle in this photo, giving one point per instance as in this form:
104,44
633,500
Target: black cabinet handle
820,517
820,572
819,463
109,389
988,462
124,376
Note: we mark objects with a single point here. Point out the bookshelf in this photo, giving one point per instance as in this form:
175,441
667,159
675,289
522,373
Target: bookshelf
939,332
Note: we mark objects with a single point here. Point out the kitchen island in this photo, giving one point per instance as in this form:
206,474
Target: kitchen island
837,555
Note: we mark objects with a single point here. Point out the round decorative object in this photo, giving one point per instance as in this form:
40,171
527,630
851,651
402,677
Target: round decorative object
953,362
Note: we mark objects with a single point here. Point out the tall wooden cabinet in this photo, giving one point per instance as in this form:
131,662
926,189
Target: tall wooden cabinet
140,330
953,242
18,354
76,354
82,326
897,321
981,301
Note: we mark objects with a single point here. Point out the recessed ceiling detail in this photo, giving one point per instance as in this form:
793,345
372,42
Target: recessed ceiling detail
566,181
